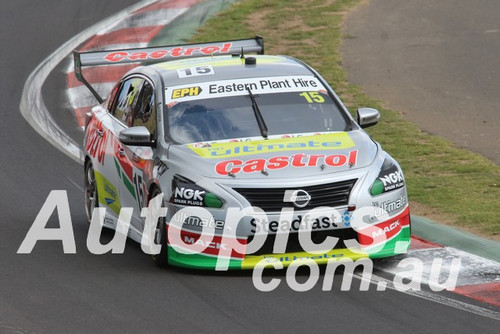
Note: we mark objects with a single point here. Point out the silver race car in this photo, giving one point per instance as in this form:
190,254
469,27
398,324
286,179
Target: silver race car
254,156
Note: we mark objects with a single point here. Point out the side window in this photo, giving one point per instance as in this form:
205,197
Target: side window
145,109
112,97
127,99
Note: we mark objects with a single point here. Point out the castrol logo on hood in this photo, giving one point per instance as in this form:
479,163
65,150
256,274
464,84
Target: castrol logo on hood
307,145
298,160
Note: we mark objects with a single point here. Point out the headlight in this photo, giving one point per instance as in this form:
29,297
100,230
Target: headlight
389,178
186,192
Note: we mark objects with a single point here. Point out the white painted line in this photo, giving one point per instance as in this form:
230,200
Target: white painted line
385,283
473,270
32,105
77,186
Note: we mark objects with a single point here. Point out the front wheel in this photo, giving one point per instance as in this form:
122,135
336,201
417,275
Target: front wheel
90,191
160,237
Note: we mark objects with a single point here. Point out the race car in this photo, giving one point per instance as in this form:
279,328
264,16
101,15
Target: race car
252,158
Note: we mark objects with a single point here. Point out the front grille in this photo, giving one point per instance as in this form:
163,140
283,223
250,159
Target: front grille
271,199
317,237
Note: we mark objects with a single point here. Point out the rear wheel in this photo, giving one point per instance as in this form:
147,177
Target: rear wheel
160,236
90,190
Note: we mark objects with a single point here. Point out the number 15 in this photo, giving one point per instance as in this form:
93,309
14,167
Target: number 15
313,97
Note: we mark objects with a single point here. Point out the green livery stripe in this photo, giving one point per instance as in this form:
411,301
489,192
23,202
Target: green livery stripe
118,168
128,184
390,246
198,261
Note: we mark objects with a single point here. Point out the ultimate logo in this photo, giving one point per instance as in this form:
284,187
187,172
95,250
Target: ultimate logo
330,141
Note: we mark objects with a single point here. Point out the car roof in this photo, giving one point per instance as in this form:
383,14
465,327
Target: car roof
229,67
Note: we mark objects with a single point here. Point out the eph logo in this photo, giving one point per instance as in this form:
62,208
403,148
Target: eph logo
187,91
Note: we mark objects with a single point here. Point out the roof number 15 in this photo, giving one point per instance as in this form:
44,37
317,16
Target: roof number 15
195,71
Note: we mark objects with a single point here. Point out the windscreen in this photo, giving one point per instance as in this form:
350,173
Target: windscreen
223,110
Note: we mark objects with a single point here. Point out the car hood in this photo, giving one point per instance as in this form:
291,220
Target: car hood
276,157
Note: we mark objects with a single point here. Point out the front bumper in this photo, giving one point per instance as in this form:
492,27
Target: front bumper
384,239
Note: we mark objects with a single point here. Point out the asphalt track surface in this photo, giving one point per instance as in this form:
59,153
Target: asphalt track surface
435,61
50,292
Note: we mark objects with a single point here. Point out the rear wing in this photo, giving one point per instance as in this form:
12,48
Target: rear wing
161,53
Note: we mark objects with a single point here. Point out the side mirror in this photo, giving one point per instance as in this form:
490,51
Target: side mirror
136,136
367,117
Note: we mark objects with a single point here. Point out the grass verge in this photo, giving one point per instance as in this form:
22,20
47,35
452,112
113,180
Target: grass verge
445,183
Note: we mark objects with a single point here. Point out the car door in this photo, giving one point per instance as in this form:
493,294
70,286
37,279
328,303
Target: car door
134,164
99,145
116,175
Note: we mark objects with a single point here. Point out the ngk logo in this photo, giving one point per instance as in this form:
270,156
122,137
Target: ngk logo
189,194
392,178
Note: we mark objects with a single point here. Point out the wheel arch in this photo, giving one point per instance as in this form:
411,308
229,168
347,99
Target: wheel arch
151,187
85,160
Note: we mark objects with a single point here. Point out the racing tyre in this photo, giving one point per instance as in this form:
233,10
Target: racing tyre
90,191
160,259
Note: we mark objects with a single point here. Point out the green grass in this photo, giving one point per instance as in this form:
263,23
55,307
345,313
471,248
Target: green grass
461,186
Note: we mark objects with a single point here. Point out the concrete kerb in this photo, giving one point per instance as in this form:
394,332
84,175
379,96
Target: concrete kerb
451,237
